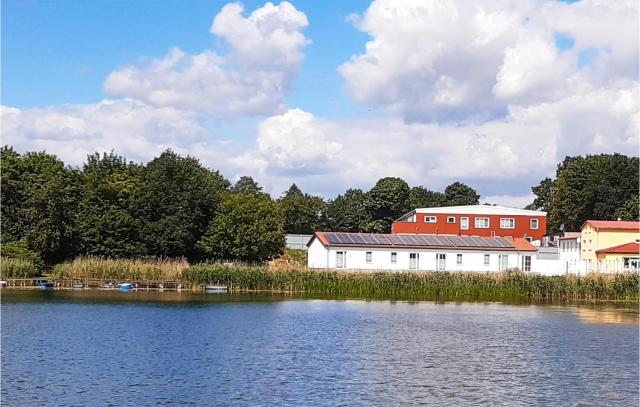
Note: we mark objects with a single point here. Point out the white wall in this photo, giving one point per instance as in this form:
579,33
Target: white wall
355,259
569,250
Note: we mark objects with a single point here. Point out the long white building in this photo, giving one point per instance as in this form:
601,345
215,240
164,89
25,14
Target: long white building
367,251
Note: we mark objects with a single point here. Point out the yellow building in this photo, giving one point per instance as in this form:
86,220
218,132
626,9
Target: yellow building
598,235
624,256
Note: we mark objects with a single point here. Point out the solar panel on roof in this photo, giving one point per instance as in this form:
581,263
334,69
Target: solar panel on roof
357,238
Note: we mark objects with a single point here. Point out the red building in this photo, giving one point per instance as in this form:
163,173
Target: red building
474,220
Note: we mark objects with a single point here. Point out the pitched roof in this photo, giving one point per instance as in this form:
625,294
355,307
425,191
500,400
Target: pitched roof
480,210
421,241
612,225
626,248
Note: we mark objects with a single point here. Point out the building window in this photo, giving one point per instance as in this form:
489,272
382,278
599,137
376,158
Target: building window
451,219
340,260
413,261
441,261
369,255
526,263
464,223
459,259
429,219
507,223
528,239
486,259
394,257
631,263
534,223
482,223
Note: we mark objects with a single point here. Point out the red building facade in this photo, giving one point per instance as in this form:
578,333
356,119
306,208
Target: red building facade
474,220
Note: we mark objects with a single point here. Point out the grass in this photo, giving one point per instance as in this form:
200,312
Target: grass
19,268
511,284
100,268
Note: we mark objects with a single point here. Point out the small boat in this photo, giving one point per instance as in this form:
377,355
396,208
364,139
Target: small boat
3,283
44,285
216,289
78,286
108,286
125,286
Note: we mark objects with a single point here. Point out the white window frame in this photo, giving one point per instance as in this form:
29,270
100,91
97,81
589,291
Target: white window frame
526,267
478,226
451,219
511,225
394,257
537,221
459,259
441,261
414,261
464,223
487,259
430,219
341,255
369,257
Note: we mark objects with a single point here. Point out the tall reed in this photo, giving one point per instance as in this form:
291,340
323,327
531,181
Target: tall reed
18,268
411,285
122,269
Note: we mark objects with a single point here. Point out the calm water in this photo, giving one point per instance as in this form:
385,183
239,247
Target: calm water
112,348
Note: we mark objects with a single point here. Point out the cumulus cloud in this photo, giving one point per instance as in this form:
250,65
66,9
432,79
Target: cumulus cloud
446,61
253,78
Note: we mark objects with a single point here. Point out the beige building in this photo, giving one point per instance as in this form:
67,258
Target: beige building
598,235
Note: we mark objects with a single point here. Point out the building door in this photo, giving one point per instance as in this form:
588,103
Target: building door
414,261
441,261
340,260
504,262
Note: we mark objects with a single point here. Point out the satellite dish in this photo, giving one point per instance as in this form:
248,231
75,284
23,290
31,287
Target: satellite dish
562,227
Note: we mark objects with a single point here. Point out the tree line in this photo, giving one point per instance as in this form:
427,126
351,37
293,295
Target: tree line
175,207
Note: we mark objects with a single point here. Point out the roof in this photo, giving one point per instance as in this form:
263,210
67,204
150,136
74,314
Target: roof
570,235
481,210
612,225
421,241
626,248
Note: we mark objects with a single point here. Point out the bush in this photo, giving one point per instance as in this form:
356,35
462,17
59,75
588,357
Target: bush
20,262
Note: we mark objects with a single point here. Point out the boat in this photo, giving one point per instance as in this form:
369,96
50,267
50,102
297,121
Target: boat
108,286
78,286
44,285
215,289
125,286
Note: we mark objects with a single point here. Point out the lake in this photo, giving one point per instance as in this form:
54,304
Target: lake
64,348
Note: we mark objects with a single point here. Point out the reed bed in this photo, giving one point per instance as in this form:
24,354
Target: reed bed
122,269
410,285
18,268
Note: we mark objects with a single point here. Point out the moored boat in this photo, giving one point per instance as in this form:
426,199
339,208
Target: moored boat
78,286
44,285
125,286
215,289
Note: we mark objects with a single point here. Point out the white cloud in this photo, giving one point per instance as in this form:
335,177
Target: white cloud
511,201
451,61
253,78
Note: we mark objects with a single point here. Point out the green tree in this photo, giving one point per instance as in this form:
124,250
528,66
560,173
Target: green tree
175,200
303,213
105,223
630,210
543,194
387,201
461,194
246,227
348,212
421,197
247,185
39,201
591,187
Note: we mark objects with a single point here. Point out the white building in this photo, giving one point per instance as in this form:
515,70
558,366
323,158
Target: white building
390,252
569,253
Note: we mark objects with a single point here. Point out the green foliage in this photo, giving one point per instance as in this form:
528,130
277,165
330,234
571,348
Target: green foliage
175,200
247,185
302,213
630,210
39,198
421,197
348,212
246,227
429,285
105,223
20,262
591,187
387,201
461,194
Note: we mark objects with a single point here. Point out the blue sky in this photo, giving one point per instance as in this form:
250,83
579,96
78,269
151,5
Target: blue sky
56,52
327,94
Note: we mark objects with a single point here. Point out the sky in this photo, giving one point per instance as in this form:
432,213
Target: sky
327,94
